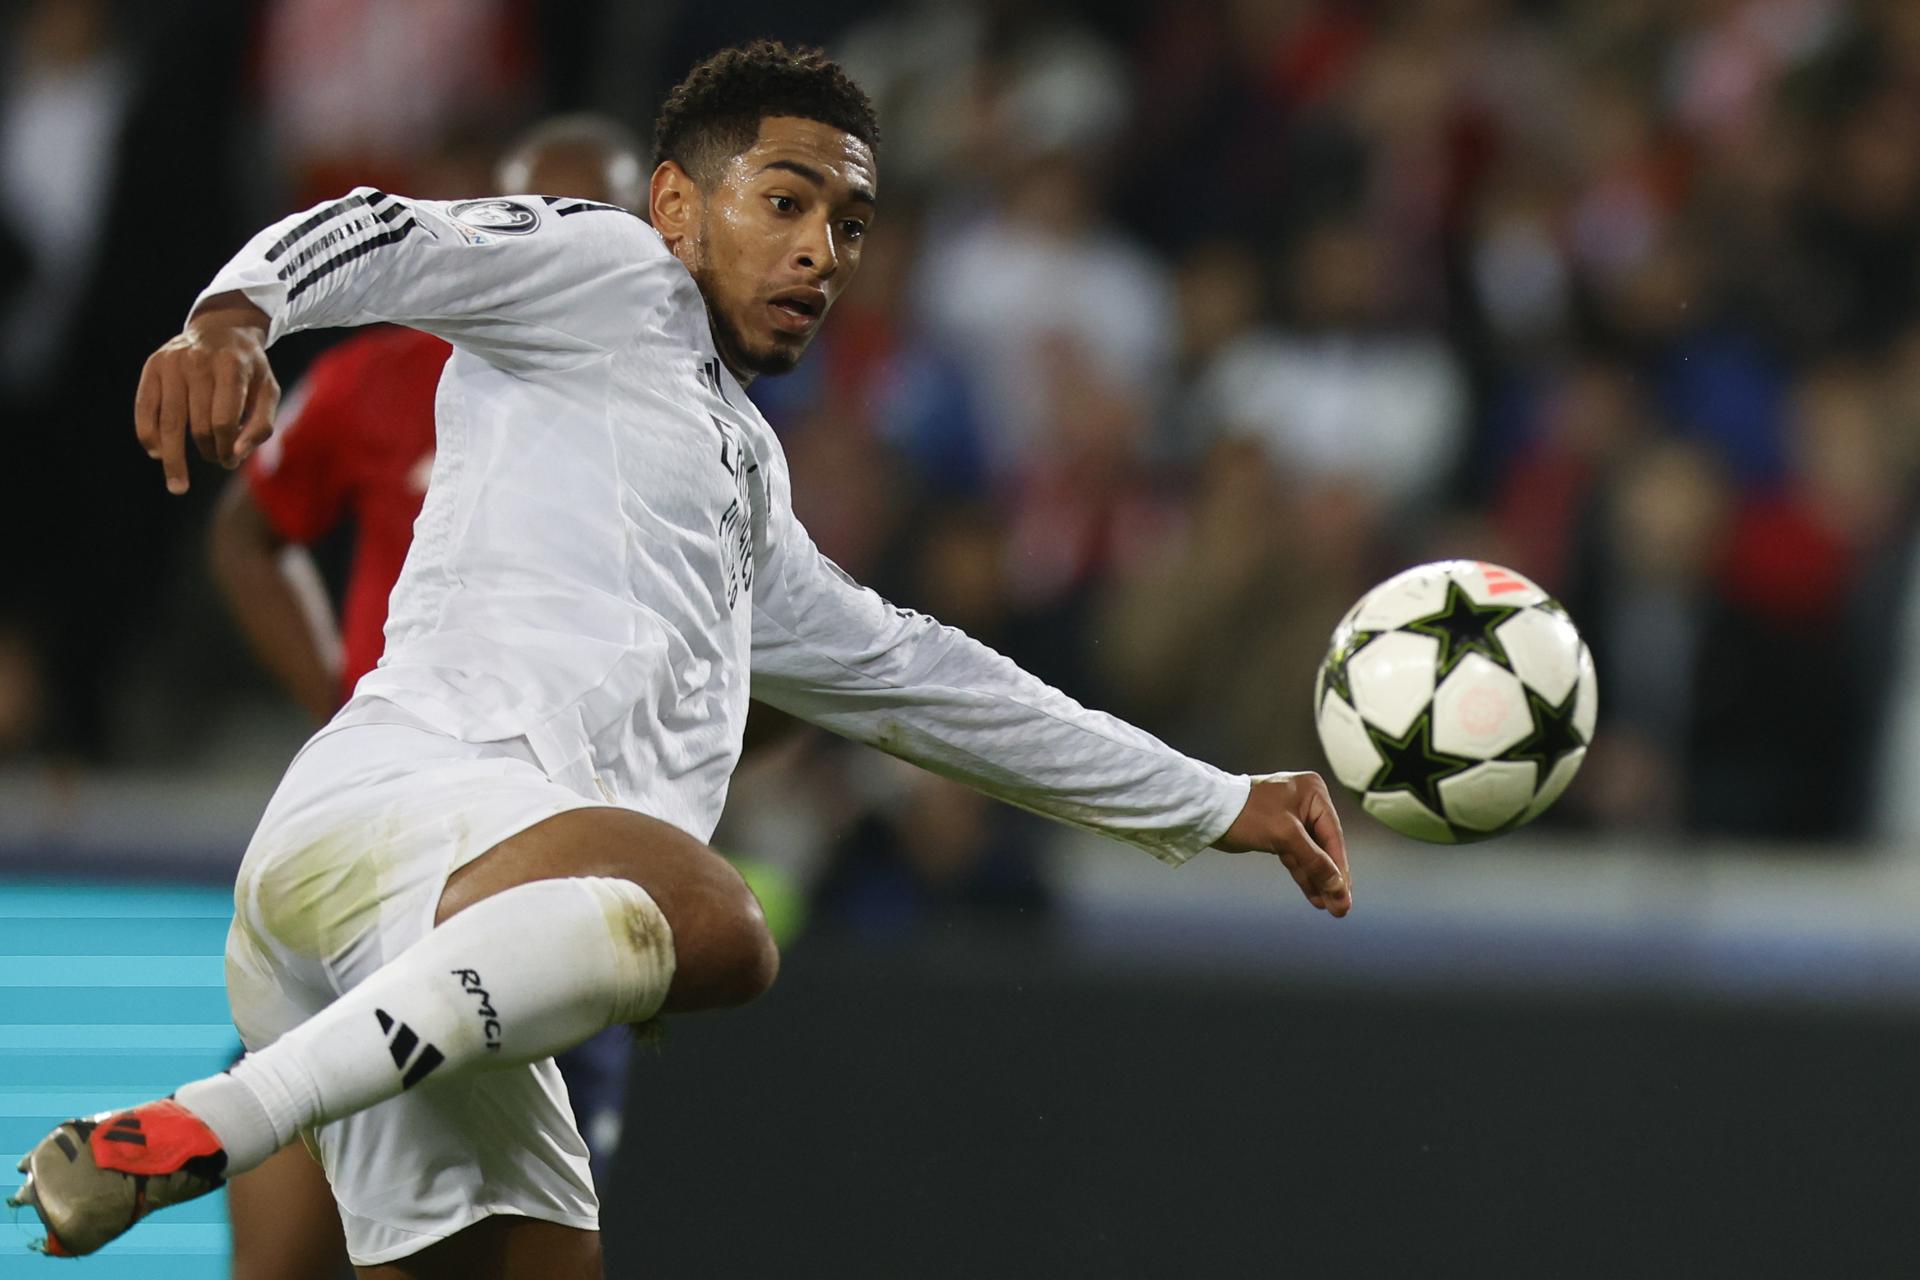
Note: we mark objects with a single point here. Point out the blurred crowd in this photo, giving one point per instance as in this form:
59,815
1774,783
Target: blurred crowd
1183,322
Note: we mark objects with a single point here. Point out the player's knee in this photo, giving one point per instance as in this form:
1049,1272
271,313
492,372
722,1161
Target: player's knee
725,954
752,960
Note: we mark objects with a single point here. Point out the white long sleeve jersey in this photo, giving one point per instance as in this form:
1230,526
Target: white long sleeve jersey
607,563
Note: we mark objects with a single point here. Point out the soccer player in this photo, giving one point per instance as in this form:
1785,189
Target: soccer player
356,440
497,848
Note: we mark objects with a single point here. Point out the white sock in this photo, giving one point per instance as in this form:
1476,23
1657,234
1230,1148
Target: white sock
510,980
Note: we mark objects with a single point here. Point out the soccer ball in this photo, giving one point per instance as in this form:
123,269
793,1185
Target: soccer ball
1457,700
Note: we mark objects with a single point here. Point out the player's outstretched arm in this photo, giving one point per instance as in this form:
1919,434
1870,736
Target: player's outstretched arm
833,653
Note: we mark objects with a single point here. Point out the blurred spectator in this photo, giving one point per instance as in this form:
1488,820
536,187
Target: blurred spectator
1227,90
1019,251
1784,723
1213,637
969,88
1518,268
1864,220
1340,393
351,100
1040,270
930,852
115,203
68,88
1084,488
1643,599
1222,296
1582,424
849,491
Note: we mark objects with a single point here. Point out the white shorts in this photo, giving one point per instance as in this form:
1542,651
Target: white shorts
344,873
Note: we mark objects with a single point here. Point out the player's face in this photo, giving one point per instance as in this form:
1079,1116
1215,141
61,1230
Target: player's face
778,237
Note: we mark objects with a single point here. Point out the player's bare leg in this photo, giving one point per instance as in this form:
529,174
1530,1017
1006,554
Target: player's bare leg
285,1226
501,1248
723,952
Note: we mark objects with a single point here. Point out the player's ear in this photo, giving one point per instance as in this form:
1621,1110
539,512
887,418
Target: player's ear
673,203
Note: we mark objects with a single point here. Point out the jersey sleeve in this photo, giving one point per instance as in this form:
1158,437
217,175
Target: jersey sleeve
298,478
832,652
524,282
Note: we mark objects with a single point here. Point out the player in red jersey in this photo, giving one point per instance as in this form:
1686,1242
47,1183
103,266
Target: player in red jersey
355,442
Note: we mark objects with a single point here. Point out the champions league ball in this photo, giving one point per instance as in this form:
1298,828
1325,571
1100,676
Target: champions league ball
1457,701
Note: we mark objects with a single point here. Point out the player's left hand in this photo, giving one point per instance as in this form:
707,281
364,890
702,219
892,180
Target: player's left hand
1291,816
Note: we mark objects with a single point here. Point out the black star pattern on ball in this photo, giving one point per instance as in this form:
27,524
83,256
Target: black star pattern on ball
1463,627
1333,672
1412,765
1554,735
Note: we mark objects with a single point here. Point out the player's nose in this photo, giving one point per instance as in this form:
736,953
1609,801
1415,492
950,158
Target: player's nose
814,253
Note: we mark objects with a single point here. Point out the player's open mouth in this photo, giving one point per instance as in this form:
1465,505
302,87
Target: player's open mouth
797,310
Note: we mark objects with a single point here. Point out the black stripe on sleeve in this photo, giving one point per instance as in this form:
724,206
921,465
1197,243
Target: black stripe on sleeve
334,237
594,206
325,241
342,258
306,228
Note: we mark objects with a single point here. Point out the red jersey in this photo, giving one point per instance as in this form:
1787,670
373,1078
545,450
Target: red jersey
356,439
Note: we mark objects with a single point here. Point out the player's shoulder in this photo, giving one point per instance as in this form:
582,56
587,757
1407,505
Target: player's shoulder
628,235
603,247
490,220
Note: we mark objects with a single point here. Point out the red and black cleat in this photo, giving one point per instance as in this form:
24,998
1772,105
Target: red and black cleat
89,1180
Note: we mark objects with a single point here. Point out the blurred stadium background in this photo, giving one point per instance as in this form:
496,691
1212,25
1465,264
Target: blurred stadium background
1184,321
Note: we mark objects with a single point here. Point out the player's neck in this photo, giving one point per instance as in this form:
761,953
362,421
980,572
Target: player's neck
723,345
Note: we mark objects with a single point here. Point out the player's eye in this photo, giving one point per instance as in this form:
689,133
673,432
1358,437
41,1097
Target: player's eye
784,204
853,228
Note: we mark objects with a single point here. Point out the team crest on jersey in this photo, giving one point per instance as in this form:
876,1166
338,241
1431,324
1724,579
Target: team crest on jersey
501,217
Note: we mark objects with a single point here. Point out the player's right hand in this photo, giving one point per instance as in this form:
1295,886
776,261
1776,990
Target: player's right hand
213,383
1291,816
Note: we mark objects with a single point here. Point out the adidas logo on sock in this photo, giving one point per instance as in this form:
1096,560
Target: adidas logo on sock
401,1042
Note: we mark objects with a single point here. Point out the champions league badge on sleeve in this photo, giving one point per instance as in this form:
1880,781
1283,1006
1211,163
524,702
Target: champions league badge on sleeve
482,218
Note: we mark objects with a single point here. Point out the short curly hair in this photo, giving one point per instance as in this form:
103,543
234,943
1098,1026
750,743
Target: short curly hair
715,113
